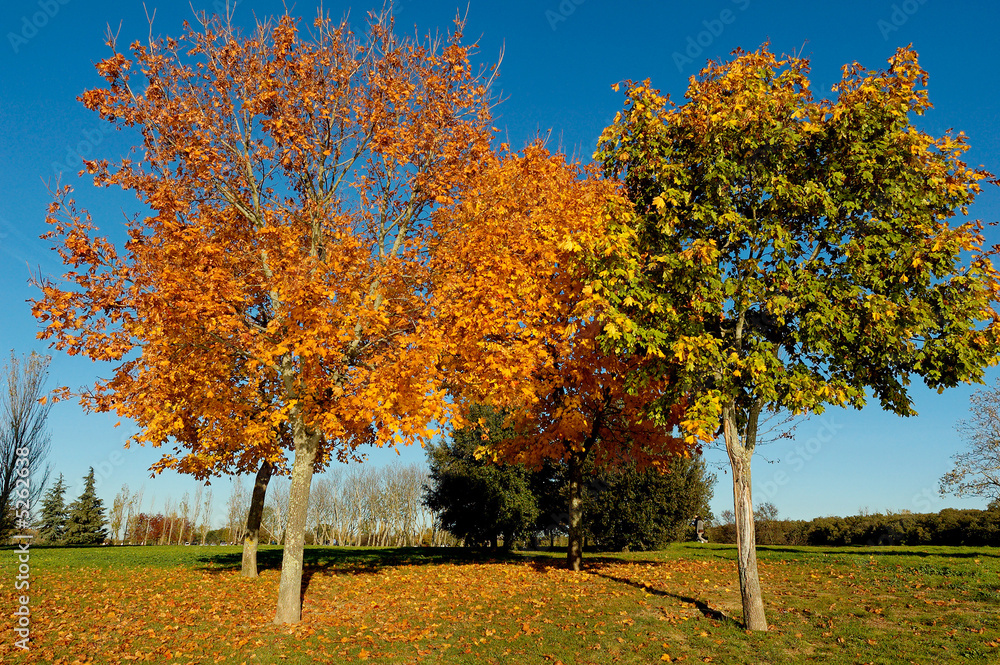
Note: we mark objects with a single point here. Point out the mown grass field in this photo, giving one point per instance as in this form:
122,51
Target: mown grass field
190,605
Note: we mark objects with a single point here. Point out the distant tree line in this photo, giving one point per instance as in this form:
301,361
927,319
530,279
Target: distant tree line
947,527
184,521
350,506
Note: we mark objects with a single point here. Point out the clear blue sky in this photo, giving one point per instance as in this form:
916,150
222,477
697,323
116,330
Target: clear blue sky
560,61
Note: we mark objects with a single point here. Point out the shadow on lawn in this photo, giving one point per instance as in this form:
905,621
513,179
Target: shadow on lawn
355,561
595,565
727,551
590,563
702,606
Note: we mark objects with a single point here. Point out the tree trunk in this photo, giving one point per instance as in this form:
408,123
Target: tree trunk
252,537
740,453
574,554
290,587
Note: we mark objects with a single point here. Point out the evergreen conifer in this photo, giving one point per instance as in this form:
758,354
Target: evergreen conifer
85,525
54,514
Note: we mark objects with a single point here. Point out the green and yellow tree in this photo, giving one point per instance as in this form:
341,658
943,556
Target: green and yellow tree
792,253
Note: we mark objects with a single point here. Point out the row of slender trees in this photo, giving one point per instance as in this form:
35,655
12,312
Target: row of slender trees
182,521
349,505
355,505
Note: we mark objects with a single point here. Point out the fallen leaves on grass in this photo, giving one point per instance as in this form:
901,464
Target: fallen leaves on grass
619,610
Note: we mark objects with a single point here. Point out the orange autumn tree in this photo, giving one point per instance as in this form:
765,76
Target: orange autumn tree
523,319
282,275
216,431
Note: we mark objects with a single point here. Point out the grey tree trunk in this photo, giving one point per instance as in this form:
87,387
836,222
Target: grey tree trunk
290,587
252,537
740,453
574,554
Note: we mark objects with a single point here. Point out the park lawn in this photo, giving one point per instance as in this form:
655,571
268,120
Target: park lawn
190,605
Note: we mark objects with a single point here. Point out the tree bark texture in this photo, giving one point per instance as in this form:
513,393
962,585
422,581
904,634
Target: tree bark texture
290,588
740,453
252,537
574,555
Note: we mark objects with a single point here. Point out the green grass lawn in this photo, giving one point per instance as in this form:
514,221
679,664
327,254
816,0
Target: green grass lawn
190,605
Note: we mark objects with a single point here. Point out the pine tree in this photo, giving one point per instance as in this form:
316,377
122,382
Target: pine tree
85,525
54,514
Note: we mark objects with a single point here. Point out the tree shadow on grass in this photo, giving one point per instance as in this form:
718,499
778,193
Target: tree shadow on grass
545,564
595,566
703,607
355,561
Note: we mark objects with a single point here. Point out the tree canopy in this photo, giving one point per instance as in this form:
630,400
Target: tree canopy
645,509
280,283
52,525
523,316
791,253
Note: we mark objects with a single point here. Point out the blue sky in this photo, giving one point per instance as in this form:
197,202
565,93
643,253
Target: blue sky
560,59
